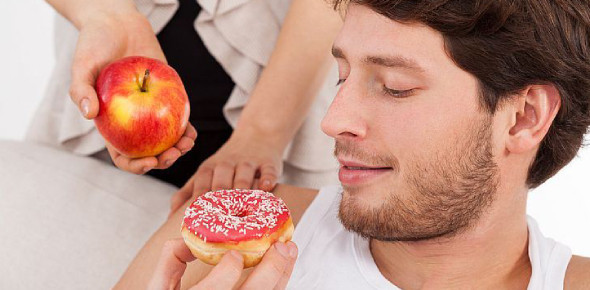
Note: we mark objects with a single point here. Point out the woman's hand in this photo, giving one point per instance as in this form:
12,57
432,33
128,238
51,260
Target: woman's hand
273,272
277,106
244,161
106,36
162,161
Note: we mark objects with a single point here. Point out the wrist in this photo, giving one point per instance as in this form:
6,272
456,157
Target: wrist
272,138
86,13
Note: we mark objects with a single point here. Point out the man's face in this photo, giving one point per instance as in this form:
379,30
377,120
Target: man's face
415,147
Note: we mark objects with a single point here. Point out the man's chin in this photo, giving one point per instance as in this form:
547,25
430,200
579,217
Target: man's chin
375,214
366,219
366,196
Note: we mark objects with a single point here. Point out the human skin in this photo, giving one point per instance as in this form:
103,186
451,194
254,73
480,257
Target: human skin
276,109
492,252
127,33
146,260
435,108
413,128
272,272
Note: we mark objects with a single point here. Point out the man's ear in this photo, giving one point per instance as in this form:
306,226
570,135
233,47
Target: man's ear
535,110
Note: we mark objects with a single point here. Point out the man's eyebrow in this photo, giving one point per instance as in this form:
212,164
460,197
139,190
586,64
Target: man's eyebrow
387,61
394,61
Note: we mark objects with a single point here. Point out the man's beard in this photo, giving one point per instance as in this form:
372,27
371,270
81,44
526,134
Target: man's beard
448,193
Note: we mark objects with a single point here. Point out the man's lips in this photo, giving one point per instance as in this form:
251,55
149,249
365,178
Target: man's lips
365,168
357,165
356,173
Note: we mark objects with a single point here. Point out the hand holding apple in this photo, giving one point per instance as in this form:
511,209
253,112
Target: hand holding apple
127,32
143,111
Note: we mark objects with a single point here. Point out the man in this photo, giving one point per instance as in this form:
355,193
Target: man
449,111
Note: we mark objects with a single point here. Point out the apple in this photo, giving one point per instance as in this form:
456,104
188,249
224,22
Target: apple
143,106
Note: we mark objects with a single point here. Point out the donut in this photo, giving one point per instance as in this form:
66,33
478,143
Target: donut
248,221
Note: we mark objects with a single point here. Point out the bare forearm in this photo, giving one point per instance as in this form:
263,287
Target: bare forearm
295,72
79,11
138,274
140,270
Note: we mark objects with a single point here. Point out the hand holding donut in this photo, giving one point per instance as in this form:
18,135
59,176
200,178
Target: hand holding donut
273,272
244,220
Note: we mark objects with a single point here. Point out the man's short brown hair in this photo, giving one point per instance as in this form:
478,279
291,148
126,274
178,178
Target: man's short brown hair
508,45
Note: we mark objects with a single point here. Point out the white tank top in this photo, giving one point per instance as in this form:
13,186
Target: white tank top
332,258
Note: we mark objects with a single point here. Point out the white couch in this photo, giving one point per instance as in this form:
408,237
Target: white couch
71,222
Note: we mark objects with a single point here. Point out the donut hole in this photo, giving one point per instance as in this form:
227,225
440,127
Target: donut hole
241,214
242,211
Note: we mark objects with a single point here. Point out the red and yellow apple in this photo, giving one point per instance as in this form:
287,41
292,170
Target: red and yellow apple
143,106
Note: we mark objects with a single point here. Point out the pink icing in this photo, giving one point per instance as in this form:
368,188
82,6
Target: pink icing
235,215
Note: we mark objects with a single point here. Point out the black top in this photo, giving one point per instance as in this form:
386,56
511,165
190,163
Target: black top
208,87
207,84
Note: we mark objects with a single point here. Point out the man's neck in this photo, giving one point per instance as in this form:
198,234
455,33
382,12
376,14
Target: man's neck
492,255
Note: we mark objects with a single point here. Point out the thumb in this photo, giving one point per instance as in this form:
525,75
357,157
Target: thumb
82,90
171,265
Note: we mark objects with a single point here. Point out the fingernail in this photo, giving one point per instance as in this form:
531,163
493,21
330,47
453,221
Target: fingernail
188,149
292,249
146,169
266,183
85,105
283,249
236,254
167,162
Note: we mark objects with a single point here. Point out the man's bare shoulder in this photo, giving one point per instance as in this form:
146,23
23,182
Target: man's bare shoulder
297,199
577,275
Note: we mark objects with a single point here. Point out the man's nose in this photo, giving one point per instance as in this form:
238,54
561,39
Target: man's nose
345,114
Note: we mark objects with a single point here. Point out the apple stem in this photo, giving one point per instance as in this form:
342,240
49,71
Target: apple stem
146,76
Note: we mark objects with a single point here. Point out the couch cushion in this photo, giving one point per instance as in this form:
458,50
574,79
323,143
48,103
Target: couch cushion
71,222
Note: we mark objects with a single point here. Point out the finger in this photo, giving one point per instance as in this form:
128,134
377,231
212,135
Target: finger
282,284
184,145
181,195
268,176
112,151
256,183
270,270
137,166
244,176
171,265
226,274
203,179
82,91
223,176
187,141
168,157
190,132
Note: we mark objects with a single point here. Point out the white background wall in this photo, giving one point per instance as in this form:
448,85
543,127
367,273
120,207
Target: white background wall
26,60
561,206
